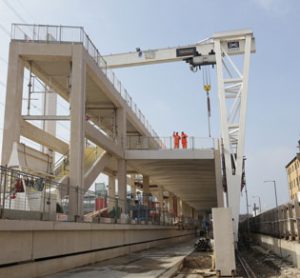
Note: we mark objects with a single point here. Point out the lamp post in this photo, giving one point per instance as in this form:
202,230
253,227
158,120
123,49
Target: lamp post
275,191
256,196
278,216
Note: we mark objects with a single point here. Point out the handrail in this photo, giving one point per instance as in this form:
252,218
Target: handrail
137,142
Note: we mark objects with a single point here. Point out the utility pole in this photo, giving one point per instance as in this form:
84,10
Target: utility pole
256,196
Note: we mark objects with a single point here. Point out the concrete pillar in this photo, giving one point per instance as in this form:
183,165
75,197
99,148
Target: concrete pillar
13,103
146,189
49,101
175,208
171,204
111,192
160,198
122,184
179,207
121,127
167,203
77,104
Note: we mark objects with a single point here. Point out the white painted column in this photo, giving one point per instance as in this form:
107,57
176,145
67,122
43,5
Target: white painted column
13,104
122,164
49,101
111,192
218,175
77,104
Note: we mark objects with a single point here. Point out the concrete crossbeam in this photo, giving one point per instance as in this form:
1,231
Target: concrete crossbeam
95,170
44,138
104,142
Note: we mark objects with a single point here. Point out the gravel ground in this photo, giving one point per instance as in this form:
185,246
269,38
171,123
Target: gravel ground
266,264
197,264
262,262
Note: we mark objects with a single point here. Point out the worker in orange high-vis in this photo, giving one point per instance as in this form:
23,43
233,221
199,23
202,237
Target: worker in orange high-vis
176,139
184,140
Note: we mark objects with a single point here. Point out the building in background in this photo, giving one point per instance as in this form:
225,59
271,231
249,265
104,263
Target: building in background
293,172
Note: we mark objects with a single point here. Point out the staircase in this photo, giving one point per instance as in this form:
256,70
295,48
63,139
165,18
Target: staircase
62,166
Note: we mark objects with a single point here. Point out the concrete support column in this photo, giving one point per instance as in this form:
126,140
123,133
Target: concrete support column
183,209
122,184
175,206
167,203
179,207
121,127
50,103
13,103
111,192
171,204
160,197
77,103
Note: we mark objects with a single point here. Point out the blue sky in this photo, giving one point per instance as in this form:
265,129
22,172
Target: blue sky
170,95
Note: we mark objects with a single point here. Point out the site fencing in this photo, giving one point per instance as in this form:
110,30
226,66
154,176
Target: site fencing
282,222
27,196
75,34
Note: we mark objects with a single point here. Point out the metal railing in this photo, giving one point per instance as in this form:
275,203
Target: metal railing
135,142
76,34
27,196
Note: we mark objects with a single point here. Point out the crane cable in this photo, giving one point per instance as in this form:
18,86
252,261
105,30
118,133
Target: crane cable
207,88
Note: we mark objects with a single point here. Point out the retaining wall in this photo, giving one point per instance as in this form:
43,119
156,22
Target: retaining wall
36,248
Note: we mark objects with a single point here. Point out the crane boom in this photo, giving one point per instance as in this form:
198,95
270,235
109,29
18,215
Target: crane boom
197,54
232,79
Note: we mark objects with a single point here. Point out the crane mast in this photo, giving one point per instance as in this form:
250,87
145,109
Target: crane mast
232,79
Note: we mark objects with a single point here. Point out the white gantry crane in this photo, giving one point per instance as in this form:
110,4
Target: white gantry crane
232,78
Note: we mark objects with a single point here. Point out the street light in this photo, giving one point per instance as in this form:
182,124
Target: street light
278,216
256,196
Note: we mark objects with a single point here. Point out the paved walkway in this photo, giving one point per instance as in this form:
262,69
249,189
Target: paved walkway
154,262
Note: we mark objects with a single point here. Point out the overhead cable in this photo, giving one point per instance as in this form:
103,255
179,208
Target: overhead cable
14,11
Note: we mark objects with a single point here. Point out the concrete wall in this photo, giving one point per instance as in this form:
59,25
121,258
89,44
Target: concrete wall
290,250
35,248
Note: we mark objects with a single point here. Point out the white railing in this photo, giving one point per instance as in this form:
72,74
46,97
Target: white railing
76,34
135,142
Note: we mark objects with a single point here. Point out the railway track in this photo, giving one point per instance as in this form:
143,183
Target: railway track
246,267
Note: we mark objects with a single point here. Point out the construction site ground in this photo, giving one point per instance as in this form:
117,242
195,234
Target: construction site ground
182,261
264,263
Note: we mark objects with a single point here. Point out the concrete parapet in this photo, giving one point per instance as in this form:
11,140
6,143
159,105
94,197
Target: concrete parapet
35,248
290,250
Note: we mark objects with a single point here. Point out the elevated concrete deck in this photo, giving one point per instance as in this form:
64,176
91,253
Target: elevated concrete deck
194,175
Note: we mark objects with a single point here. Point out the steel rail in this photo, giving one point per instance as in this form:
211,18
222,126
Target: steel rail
248,270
